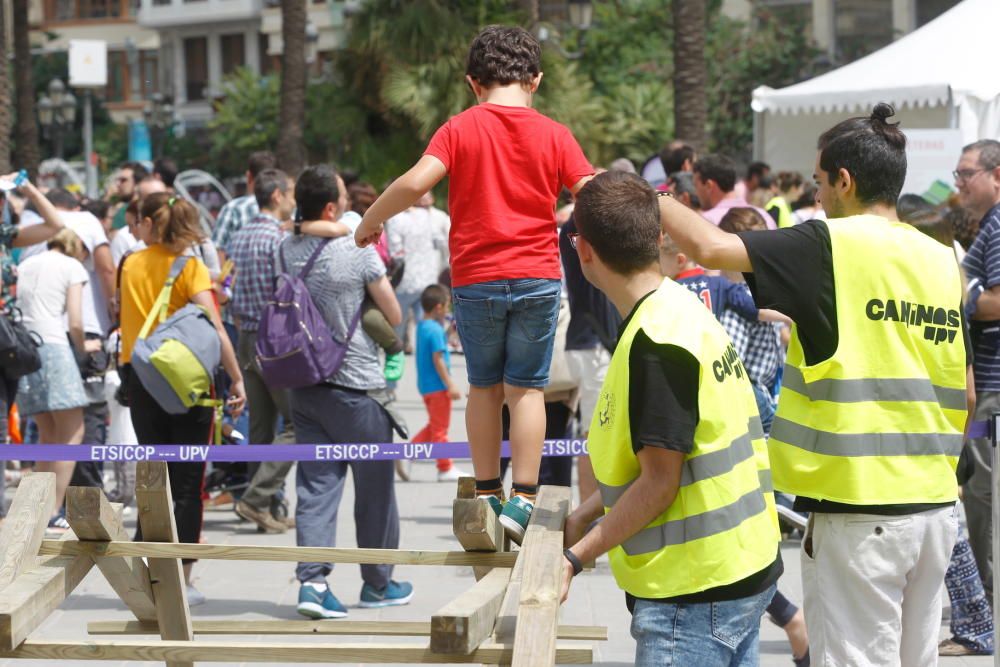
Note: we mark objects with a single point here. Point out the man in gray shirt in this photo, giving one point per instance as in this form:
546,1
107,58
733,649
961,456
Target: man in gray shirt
341,409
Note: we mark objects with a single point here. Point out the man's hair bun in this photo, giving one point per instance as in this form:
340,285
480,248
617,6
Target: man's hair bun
882,112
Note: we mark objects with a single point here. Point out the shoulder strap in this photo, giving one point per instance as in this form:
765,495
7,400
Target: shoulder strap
158,312
312,259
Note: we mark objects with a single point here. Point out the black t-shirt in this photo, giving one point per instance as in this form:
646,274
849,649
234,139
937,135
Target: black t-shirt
593,319
663,412
793,274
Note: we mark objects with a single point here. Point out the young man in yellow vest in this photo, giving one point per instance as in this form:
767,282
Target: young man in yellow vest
875,396
678,452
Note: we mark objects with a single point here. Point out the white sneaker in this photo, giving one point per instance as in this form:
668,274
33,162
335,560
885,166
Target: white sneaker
194,596
451,475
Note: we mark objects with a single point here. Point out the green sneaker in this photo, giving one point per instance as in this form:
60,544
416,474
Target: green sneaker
394,365
515,517
493,502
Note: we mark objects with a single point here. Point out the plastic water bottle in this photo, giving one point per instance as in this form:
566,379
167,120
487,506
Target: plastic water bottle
6,185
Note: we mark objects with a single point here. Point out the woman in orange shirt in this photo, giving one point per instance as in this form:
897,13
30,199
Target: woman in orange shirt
169,227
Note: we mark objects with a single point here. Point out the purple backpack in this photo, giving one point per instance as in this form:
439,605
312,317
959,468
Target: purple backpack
294,345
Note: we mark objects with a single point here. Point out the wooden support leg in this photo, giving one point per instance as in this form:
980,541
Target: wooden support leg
462,624
541,551
94,519
156,517
24,528
476,525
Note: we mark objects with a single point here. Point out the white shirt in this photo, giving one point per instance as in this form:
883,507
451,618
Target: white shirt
122,243
42,284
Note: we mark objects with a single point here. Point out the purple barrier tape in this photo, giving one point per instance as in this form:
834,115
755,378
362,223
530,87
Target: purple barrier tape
364,451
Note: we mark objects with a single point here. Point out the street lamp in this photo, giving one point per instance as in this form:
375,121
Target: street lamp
159,115
581,17
56,114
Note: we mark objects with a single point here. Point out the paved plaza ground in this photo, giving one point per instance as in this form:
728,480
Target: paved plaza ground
251,590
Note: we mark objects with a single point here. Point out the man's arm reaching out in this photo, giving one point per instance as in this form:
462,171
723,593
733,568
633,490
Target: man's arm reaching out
701,240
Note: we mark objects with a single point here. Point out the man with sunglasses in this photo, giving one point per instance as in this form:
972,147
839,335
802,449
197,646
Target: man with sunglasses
977,178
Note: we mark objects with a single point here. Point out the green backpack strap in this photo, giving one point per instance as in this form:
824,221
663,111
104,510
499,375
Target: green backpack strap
158,313
217,406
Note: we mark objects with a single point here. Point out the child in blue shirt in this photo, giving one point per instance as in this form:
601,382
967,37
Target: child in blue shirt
434,374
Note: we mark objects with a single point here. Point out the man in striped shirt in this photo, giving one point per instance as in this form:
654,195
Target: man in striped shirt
978,180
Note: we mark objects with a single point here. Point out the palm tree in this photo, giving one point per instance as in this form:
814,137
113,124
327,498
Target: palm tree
291,150
4,94
690,72
27,152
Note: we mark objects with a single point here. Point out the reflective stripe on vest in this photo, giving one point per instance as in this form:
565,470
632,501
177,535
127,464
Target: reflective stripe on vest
873,389
866,444
702,467
697,526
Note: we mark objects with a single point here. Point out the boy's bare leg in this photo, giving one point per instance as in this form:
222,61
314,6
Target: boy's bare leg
527,432
484,427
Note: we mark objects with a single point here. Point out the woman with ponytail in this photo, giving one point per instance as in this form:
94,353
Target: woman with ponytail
169,226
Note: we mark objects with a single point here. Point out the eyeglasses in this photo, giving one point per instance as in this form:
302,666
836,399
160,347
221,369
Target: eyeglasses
965,175
572,239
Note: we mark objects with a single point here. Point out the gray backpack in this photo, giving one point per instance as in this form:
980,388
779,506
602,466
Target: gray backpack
177,363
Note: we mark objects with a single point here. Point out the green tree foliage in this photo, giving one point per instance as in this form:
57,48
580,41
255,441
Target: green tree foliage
774,53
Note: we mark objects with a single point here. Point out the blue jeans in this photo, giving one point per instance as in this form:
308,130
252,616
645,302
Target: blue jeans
765,406
508,329
710,634
408,302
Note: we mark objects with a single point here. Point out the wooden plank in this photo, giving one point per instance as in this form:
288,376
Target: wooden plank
175,652
277,554
465,622
156,518
466,487
280,627
541,551
476,525
93,517
32,597
24,528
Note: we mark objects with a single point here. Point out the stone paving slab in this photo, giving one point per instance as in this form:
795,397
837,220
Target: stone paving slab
253,590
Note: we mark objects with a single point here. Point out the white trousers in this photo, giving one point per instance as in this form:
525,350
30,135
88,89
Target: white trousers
872,587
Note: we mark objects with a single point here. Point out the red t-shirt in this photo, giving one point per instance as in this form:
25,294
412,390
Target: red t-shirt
507,166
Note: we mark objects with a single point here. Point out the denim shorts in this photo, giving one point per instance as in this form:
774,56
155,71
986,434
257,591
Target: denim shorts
508,329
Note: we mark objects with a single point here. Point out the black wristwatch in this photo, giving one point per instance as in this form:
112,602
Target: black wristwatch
574,561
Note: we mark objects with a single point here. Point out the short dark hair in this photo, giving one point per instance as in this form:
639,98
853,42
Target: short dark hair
618,215
138,170
97,207
166,169
789,179
912,207
316,187
502,55
871,150
361,195
433,296
989,152
719,168
757,169
266,183
674,155
259,161
62,198
742,219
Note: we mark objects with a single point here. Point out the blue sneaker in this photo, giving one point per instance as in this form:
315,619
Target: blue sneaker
395,594
317,604
515,517
495,503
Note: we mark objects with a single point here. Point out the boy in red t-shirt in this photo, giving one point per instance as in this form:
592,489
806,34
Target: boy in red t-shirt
507,164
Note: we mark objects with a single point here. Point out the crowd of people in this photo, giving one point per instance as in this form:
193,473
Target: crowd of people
727,346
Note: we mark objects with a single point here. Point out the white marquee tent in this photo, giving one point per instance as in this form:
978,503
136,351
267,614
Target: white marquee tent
944,75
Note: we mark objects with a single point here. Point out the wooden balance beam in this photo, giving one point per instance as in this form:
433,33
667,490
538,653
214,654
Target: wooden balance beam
510,616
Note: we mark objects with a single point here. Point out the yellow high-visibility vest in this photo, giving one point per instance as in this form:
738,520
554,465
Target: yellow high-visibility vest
881,421
784,211
722,526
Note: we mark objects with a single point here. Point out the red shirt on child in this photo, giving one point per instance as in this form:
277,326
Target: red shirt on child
507,166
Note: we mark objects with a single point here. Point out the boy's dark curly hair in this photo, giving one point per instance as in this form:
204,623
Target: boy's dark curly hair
502,55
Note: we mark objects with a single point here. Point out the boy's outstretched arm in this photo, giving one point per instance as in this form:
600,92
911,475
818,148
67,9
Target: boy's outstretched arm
398,197
701,240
